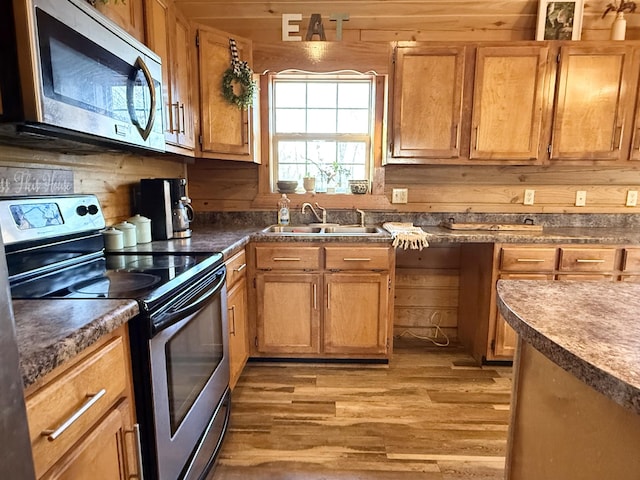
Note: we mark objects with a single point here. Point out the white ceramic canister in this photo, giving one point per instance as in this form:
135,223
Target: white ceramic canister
143,228
128,233
113,239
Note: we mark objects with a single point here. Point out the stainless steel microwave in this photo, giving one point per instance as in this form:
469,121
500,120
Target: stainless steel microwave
71,75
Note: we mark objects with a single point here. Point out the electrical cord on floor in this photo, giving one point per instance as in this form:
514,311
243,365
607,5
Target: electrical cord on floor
434,322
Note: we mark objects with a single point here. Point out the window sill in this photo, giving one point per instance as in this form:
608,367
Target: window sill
326,200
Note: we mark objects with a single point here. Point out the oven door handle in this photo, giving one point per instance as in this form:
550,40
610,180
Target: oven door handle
191,304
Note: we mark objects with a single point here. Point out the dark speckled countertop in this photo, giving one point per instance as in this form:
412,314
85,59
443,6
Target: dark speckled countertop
590,329
50,332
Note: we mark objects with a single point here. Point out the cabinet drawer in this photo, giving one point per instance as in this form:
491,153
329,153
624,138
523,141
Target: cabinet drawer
91,387
587,259
236,267
287,258
631,262
516,259
357,258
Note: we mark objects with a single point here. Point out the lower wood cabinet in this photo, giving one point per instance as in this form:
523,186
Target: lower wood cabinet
482,328
314,301
237,315
81,416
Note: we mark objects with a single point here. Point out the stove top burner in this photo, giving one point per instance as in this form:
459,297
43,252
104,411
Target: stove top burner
112,284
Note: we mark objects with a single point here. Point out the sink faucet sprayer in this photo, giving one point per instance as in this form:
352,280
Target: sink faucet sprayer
322,219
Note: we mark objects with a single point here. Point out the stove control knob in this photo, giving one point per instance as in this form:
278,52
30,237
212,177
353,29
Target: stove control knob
93,209
81,210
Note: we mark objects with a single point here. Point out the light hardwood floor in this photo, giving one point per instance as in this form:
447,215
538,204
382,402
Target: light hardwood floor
431,414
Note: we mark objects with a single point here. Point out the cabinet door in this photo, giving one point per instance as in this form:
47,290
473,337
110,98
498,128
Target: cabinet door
504,338
129,15
225,129
105,453
635,144
356,327
593,96
182,101
238,341
288,312
427,103
507,102
158,25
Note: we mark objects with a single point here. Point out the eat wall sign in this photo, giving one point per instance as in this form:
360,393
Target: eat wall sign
290,27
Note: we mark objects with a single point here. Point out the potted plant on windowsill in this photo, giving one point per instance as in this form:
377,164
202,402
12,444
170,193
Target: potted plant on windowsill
619,26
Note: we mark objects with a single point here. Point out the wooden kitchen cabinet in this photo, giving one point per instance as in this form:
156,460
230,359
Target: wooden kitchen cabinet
288,320
481,327
129,15
238,315
595,89
169,35
508,100
330,301
427,103
101,442
226,132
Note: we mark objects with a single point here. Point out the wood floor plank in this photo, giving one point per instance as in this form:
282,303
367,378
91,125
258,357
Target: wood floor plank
431,414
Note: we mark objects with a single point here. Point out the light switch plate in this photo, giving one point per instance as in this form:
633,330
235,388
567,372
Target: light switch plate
399,195
632,198
581,198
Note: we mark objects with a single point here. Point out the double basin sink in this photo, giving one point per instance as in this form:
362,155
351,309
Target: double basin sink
328,229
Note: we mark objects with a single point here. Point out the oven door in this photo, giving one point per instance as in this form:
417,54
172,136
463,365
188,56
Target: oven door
189,377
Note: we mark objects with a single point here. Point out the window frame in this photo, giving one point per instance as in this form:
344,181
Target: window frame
333,77
266,197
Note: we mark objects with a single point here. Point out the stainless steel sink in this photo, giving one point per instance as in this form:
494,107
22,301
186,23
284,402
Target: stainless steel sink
332,230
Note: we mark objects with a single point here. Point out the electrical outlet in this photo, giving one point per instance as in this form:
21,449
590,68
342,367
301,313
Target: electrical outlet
581,198
400,195
529,197
632,198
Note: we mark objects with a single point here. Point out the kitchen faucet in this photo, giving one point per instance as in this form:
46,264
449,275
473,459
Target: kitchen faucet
361,212
322,219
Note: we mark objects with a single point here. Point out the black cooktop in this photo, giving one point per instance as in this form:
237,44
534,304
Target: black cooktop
142,277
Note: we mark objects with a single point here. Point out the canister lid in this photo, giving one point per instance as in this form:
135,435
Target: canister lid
125,226
137,218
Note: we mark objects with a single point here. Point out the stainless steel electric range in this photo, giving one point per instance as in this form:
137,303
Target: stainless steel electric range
54,249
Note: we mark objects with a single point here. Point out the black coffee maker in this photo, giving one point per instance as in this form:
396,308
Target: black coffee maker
165,202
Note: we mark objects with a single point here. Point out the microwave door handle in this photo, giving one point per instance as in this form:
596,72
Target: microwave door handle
144,132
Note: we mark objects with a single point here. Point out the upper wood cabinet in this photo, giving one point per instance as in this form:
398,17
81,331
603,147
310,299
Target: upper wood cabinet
594,93
635,142
129,15
427,103
169,35
508,96
226,130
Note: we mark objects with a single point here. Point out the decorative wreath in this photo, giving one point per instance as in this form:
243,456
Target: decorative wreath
239,73
244,77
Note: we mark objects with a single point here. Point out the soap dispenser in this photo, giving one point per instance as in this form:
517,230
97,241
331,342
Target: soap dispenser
283,210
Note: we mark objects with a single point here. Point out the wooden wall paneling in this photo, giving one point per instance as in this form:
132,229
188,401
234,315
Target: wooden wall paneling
220,185
426,291
393,20
108,176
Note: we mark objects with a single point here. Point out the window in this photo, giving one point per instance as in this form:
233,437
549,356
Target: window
322,127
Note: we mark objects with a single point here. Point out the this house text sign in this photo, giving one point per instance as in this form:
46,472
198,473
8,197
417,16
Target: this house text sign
315,29
35,181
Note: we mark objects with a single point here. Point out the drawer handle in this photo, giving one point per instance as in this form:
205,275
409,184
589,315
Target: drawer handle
136,434
92,398
356,259
589,260
286,259
240,268
530,260
315,296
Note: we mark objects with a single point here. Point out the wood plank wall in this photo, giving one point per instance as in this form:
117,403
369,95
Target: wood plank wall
391,20
109,176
